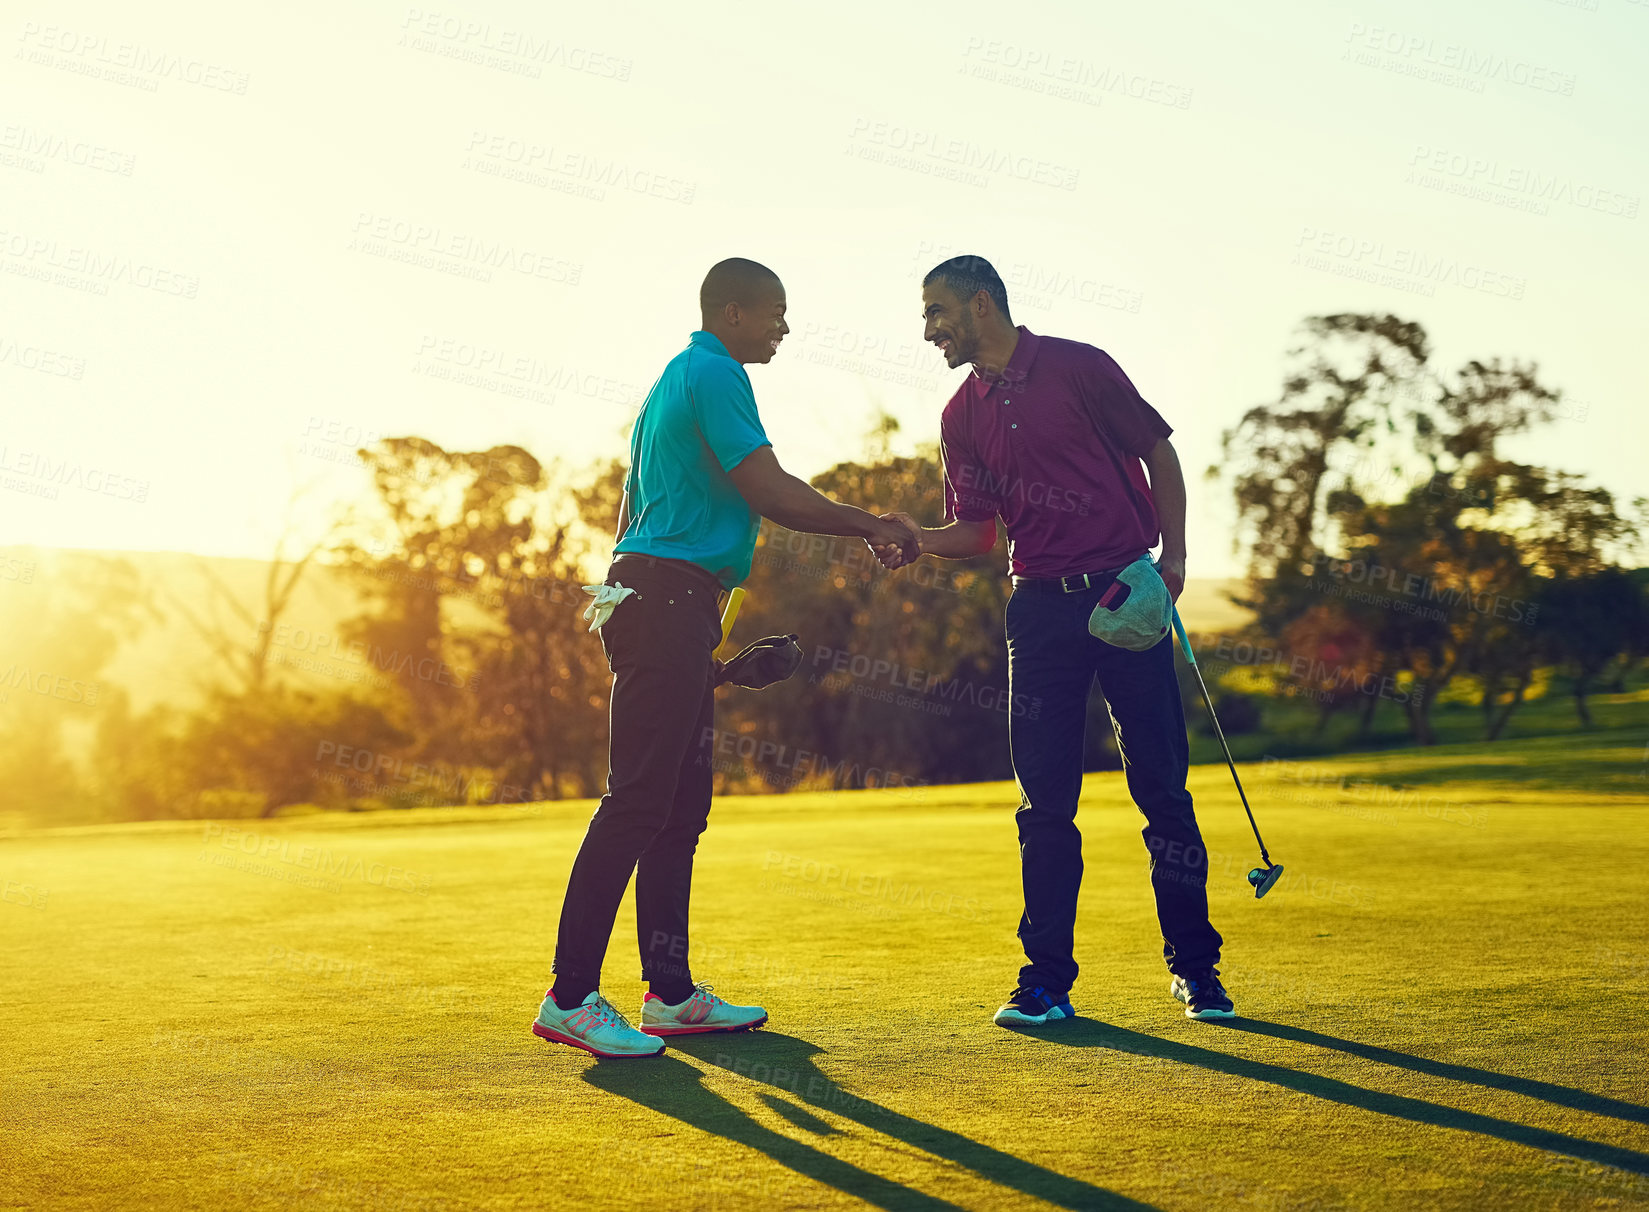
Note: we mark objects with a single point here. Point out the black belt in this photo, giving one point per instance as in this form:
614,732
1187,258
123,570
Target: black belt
1075,583
684,568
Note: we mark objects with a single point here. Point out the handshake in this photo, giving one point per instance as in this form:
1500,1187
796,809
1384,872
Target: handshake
897,540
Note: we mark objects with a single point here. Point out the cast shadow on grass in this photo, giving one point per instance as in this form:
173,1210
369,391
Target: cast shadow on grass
1091,1033
1563,1096
674,1088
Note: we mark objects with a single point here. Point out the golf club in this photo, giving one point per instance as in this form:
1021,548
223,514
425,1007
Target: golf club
1261,878
729,614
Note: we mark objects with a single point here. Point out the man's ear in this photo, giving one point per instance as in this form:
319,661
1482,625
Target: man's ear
732,313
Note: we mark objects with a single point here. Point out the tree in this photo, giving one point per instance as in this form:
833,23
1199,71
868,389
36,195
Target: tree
1296,459
1590,622
1443,572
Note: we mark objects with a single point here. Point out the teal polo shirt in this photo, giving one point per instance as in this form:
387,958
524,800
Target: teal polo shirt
697,424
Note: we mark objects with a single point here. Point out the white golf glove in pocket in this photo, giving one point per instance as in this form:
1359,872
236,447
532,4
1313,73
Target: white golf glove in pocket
607,597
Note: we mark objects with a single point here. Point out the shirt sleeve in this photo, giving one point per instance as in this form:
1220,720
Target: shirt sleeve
725,408
968,497
1132,423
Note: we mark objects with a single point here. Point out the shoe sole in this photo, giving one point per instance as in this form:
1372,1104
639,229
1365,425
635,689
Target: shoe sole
1011,1023
545,1033
651,1029
1173,991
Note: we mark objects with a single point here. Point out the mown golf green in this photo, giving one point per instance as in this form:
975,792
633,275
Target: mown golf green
1443,1005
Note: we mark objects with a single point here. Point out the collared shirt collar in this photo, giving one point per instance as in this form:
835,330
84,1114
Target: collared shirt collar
1018,368
710,341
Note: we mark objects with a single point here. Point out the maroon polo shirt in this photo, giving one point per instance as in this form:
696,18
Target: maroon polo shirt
1026,448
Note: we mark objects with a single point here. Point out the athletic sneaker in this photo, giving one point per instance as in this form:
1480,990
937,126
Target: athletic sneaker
594,1026
704,1011
1032,1006
1203,995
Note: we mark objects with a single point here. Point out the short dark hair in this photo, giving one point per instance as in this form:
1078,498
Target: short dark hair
735,280
967,276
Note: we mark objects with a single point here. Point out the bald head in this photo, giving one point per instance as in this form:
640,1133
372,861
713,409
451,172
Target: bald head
742,303
735,280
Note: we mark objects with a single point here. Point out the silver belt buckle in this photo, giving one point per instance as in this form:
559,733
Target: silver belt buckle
1066,587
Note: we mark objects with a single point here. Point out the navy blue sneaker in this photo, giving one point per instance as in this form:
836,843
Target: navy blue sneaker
1033,1006
1203,995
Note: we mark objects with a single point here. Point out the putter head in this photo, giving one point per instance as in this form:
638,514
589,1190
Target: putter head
1263,877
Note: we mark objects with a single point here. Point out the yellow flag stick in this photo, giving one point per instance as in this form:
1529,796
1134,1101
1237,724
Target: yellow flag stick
729,615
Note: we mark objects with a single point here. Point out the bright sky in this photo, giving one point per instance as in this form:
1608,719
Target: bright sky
233,247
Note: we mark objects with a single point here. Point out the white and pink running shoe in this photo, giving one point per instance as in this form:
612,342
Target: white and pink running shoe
704,1011
594,1026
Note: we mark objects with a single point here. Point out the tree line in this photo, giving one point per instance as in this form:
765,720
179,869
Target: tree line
1394,551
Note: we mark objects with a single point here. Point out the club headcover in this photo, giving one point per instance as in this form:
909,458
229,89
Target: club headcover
1135,611
770,659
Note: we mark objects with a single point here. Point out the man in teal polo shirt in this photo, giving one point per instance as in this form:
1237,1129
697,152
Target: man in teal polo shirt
702,476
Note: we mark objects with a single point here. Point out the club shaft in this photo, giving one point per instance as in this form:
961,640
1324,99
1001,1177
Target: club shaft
1219,732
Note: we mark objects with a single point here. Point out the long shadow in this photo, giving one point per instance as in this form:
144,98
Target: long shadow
785,1063
1563,1096
677,1089
1091,1033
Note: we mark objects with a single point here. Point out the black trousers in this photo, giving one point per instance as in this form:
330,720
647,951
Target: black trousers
660,645
1052,663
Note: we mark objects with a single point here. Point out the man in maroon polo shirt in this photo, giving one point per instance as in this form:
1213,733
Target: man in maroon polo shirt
1050,436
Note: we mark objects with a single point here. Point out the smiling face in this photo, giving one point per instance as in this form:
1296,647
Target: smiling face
752,331
950,323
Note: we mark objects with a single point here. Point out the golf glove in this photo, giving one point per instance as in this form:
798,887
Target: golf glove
606,598
770,659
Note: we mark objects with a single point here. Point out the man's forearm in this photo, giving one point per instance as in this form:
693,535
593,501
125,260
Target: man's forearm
958,540
797,505
623,517
1168,491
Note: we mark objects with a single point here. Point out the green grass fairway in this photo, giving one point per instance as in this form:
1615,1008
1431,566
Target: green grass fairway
1444,1005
